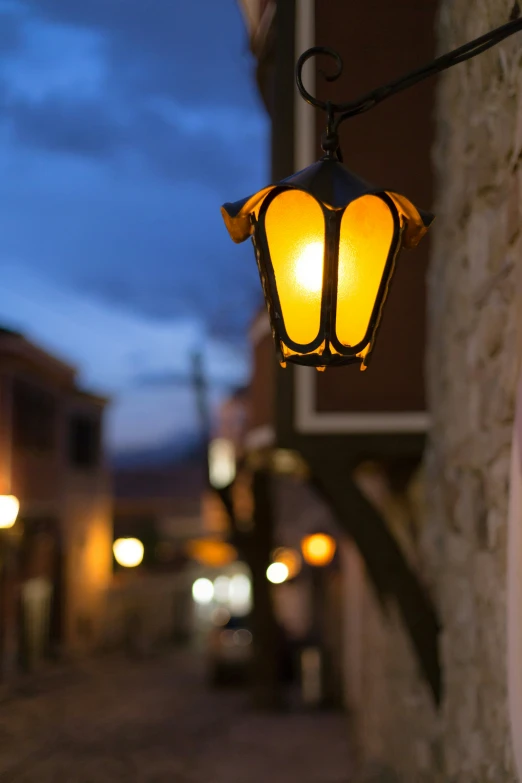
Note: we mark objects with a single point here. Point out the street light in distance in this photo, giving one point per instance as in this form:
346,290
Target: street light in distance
318,549
9,508
128,552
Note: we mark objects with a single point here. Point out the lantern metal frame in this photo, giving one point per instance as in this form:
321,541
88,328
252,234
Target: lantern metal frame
333,188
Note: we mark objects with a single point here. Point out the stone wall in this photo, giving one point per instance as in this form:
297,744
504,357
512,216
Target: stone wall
396,726
473,363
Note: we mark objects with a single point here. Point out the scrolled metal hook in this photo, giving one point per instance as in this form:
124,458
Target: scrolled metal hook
330,77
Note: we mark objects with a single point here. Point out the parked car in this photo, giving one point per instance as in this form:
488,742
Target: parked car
229,651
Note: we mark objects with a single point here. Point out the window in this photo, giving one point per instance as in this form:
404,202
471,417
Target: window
34,417
84,441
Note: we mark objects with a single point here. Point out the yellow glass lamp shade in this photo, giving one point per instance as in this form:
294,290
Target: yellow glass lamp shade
326,244
9,508
128,552
367,229
318,549
295,225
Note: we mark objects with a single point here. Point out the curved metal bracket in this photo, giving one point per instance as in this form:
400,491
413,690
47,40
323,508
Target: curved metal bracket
339,112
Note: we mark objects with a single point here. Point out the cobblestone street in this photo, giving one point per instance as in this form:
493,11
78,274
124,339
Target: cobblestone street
155,721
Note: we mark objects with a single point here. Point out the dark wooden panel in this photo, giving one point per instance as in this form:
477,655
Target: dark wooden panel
390,146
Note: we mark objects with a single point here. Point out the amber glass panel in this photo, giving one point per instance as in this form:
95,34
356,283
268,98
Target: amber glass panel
366,235
295,232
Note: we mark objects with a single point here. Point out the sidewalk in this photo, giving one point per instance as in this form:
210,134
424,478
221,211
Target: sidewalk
155,721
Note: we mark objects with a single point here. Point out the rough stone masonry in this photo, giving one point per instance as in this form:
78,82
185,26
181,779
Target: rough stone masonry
475,330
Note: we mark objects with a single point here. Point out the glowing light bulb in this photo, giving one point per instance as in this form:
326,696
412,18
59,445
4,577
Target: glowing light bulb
240,594
203,591
277,573
128,552
9,507
309,267
318,549
221,462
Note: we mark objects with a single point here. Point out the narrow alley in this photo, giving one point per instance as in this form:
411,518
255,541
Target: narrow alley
155,721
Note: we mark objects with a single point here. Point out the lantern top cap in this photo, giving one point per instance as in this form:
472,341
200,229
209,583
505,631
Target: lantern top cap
335,186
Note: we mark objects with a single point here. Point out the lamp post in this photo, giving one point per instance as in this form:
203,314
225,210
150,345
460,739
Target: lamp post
326,241
318,550
128,553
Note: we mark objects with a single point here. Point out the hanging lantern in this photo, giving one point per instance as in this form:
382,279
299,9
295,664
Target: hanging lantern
326,241
326,245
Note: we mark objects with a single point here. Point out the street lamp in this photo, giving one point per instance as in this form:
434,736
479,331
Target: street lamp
221,462
277,573
128,552
326,241
9,508
318,549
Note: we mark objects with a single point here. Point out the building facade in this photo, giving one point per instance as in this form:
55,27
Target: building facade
56,560
426,436
159,504
473,371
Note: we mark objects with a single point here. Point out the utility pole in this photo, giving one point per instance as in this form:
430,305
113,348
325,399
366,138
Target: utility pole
200,386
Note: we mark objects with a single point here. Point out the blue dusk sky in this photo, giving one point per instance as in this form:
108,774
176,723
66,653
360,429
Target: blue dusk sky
124,124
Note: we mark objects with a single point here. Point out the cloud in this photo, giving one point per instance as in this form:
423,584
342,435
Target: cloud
113,348
55,124
66,94
159,249
166,47
10,31
125,125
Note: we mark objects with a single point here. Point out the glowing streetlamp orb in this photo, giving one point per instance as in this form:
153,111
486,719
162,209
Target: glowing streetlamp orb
128,552
203,591
221,462
277,573
9,508
318,549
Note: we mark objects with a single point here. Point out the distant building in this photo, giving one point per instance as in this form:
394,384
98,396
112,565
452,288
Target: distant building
56,560
161,506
